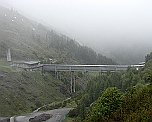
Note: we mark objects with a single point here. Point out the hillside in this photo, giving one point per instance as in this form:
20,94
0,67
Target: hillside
117,97
23,92
29,40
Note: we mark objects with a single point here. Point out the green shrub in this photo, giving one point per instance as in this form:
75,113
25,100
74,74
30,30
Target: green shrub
108,103
73,113
136,106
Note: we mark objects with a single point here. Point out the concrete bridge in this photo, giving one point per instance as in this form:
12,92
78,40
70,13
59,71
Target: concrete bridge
33,65
88,68
56,68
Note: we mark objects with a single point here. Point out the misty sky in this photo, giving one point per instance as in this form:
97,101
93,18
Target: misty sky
98,23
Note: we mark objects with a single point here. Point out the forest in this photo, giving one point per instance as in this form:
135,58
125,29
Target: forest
117,97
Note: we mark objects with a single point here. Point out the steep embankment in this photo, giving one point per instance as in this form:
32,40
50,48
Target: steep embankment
30,40
25,91
22,92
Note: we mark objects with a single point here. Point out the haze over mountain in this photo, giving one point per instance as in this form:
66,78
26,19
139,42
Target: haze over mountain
119,29
63,32
29,40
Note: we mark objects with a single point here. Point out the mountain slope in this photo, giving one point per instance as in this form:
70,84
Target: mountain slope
23,92
30,40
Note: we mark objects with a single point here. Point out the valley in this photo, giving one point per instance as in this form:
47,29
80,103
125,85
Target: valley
48,76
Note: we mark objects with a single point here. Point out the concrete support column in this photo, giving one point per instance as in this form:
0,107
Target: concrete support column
71,82
55,72
57,75
74,83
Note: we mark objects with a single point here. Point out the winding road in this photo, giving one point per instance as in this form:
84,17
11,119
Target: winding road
58,115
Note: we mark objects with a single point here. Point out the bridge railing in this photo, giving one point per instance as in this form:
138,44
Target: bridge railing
91,68
84,68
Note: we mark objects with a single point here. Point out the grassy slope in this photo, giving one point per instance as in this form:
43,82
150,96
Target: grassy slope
23,92
5,67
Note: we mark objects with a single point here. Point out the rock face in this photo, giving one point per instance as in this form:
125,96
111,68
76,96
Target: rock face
5,120
40,118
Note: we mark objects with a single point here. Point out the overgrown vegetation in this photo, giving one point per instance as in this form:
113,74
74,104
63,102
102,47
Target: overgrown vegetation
117,97
22,92
108,103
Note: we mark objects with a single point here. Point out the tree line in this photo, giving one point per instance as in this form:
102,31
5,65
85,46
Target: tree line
117,97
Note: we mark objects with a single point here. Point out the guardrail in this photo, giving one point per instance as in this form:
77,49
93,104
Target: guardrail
88,68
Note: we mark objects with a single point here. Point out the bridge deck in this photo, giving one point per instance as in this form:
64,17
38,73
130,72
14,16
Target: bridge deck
89,68
84,68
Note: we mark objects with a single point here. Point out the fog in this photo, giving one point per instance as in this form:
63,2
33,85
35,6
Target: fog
108,26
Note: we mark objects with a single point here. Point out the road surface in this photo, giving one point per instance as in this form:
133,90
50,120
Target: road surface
58,115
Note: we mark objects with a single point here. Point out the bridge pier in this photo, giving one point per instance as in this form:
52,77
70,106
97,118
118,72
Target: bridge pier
72,82
85,69
57,75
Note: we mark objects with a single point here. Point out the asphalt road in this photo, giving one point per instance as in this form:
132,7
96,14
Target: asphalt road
58,115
